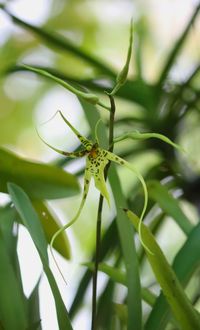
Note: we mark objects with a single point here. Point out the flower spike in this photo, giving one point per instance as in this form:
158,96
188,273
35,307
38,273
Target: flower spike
96,161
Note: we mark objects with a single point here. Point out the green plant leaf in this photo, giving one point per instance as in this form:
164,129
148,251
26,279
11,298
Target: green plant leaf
33,308
13,313
185,263
169,205
40,181
105,306
51,226
10,238
186,315
30,219
7,215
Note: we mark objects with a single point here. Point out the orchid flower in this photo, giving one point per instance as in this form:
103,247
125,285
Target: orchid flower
96,161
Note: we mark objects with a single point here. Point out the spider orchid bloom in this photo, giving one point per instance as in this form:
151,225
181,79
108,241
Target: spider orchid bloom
96,160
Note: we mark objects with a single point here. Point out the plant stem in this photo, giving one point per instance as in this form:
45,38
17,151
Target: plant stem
99,218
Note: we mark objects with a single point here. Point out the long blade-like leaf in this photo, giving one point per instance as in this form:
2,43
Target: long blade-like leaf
51,226
40,181
10,238
181,307
185,263
7,216
13,314
30,219
169,204
105,307
34,308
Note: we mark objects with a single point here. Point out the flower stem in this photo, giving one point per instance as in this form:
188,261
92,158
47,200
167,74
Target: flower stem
99,219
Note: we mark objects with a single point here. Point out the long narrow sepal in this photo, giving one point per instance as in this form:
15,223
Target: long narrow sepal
136,135
123,162
62,152
87,178
87,144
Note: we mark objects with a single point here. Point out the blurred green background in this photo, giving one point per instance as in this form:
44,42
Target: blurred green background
99,28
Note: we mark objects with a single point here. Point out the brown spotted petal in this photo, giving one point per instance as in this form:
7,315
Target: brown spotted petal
96,167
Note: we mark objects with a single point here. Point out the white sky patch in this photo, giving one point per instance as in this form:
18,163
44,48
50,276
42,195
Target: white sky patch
41,56
32,11
169,18
5,28
4,199
25,87
29,261
112,11
47,306
166,20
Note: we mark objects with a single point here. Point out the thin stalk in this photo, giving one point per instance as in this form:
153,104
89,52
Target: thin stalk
99,219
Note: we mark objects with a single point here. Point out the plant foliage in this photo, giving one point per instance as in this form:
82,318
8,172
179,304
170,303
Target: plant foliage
169,194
